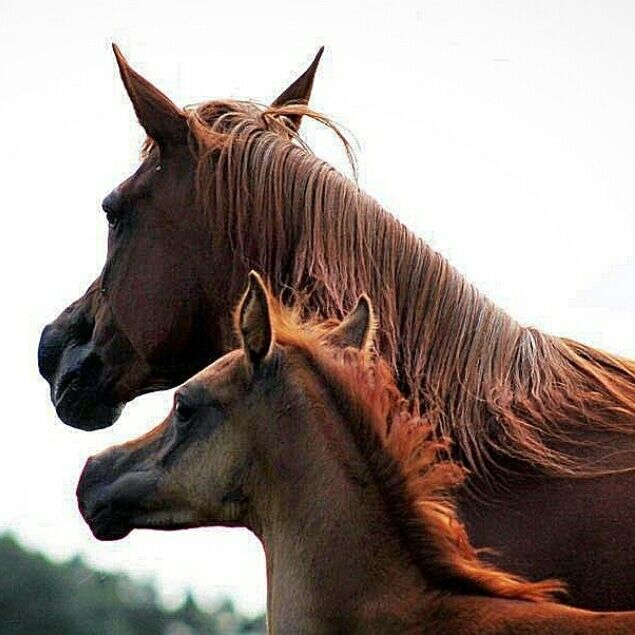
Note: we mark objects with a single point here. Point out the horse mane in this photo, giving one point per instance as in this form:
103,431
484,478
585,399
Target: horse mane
407,460
505,394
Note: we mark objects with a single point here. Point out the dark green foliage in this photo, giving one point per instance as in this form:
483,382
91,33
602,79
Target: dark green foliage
39,597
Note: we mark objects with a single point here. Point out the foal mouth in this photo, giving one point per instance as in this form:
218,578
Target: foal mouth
166,520
107,524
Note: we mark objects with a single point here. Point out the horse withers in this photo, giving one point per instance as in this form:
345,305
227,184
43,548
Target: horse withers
303,437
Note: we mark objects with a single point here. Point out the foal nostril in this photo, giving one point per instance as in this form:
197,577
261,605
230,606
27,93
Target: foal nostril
95,481
88,484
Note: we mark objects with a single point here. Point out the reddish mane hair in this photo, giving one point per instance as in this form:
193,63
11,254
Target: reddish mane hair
405,457
502,392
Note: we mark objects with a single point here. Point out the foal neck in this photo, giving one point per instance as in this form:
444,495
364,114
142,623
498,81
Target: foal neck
334,562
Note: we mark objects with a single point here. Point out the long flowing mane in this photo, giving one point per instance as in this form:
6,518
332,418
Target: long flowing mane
502,392
407,460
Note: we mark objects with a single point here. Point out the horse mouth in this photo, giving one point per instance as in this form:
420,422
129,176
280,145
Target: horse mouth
66,388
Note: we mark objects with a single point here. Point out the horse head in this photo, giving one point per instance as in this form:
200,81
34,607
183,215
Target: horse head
159,310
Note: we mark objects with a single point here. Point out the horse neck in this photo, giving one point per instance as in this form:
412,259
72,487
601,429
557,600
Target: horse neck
311,231
314,233
334,564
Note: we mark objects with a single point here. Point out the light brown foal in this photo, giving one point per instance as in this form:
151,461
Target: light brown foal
301,436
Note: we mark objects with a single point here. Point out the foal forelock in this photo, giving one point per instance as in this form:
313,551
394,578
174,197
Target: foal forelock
499,390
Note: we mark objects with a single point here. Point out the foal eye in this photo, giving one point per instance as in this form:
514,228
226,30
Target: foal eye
183,411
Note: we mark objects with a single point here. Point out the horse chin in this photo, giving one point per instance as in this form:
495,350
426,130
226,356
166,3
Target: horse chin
85,409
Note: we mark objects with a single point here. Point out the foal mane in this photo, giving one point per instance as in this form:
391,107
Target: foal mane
504,393
407,460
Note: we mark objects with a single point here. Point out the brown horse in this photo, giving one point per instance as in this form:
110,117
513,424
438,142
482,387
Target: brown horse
305,439
544,424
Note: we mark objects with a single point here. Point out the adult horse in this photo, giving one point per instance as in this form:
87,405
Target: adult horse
544,424
309,445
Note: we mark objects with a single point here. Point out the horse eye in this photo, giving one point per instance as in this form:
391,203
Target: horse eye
113,219
112,206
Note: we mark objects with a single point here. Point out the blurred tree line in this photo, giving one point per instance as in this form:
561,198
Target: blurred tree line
40,597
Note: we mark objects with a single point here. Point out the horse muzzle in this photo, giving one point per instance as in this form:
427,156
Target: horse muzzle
76,376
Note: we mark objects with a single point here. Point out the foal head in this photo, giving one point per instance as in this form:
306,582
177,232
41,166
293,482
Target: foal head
138,328
198,466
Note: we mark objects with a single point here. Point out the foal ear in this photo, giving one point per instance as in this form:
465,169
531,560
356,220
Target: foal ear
357,329
299,92
254,320
160,117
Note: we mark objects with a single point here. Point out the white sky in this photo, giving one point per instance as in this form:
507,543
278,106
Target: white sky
501,132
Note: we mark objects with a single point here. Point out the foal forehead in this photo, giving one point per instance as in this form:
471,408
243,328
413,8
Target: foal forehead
222,372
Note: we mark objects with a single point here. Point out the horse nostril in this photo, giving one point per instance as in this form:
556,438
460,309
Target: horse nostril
79,370
48,352
56,338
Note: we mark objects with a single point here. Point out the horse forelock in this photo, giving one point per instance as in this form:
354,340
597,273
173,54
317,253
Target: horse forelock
499,390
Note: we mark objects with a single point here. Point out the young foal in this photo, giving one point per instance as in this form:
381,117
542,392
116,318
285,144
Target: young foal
302,437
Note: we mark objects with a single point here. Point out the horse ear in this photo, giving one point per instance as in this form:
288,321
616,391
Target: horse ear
299,92
254,321
357,329
162,120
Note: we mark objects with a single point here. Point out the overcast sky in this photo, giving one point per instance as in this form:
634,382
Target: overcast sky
503,133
